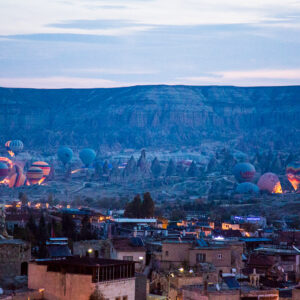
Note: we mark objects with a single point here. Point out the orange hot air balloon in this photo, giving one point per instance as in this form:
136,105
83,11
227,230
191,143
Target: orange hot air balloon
18,178
293,174
34,175
44,166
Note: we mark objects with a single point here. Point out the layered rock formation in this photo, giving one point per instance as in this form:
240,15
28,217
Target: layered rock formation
144,116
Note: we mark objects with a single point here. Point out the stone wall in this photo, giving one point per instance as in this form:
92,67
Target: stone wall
12,254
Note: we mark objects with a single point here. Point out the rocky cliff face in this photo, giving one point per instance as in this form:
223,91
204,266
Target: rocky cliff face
145,116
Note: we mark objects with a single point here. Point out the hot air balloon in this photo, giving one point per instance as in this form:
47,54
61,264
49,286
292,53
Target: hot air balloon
87,156
34,175
7,145
65,154
293,174
44,166
247,188
244,172
18,178
7,161
270,182
4,170
15,146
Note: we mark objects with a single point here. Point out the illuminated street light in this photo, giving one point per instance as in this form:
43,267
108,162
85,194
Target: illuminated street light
90,250
181,270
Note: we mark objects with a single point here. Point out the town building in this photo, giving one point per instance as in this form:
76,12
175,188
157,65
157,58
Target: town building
78,278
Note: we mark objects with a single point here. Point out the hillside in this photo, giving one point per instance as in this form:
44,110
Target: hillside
158,116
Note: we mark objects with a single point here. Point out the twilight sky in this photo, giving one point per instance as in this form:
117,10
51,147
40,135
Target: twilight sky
107,43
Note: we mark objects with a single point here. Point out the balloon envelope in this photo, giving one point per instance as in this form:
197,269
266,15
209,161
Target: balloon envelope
65,154
293,174
87,156
4,170
244,172
270,182
44,166
16,145
34,175
247,188
18,178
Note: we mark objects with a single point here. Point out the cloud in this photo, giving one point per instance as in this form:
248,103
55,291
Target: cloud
58,82
43,16
110,71
246,78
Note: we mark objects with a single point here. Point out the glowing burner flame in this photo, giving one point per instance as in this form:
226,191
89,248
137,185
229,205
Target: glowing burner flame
277,188
41,180
5,181
12,154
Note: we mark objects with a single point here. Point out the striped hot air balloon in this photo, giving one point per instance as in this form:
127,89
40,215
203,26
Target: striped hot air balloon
18,178
16,146
4,170
44,166
34,175
7,145
293,174
7,161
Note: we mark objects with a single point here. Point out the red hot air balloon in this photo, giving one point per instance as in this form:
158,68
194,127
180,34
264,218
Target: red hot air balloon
34,175
44,166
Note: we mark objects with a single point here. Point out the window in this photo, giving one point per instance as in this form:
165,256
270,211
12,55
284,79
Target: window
220,256
118,298
128,258
167,253
200,257
125,298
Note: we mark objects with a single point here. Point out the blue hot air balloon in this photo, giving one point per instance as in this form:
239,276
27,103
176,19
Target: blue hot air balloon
15,146
4,170
244,172
247,188
65,154
87,156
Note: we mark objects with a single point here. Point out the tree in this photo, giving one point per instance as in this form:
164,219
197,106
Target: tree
23,198
42,236
133,208
147,207
86,232
68,227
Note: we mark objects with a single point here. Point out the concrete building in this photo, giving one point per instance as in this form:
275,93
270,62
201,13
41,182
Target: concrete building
224,256
77,278
129,249
92,248
14,257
